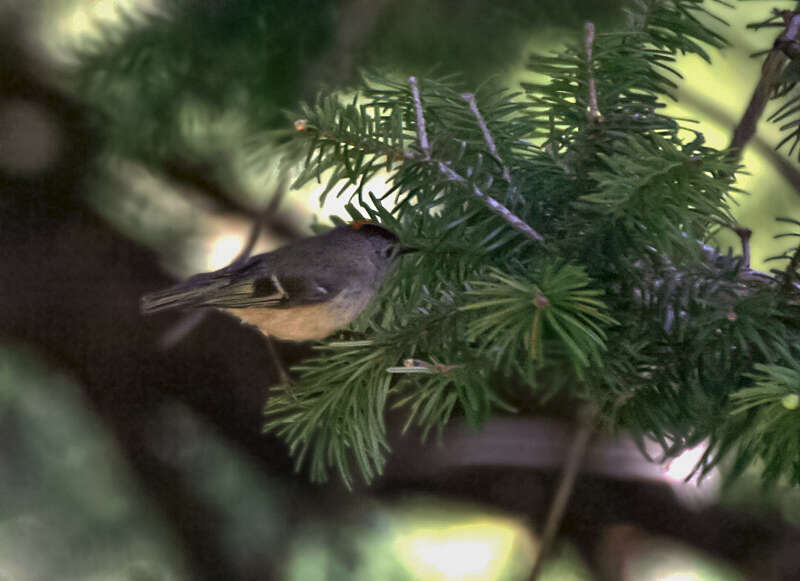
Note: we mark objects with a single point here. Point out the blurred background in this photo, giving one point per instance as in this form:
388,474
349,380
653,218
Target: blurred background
139,142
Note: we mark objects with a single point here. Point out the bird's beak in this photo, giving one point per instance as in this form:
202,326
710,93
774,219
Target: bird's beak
406,250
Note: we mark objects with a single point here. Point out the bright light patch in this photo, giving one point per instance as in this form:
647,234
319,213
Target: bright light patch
699,490
661,560
682,465
77,21
680,576
678,468
477,551
223,250
336,205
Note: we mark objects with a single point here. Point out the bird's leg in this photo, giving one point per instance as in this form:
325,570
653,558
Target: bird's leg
283,376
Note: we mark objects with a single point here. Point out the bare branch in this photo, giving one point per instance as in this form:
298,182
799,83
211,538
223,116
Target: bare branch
259,223
744,235
770,74
516,222
495,206
422,132
779,162
565,485
595,116
487,136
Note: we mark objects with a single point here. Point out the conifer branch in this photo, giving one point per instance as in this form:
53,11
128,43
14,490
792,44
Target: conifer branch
676,329
495,206
365,145
498,208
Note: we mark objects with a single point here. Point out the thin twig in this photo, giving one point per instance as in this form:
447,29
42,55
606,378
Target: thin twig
487,136
422,132
777,20
565,485
781,164
595,116
516,222
744,233
259,223
770,74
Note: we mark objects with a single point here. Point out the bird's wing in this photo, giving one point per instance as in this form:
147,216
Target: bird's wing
231,292
191,293
254,284
270,291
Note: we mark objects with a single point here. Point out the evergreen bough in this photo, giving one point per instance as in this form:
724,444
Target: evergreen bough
563,236
562,231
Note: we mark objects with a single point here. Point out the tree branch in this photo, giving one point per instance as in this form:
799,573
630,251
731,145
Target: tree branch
594,111
422,131
566,483
422,135
487,135
770,75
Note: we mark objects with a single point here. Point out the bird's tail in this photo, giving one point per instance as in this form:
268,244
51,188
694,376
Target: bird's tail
192,293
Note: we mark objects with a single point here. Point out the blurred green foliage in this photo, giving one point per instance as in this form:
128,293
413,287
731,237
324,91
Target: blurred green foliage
68,506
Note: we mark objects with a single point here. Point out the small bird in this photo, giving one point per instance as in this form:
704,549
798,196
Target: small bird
299,292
